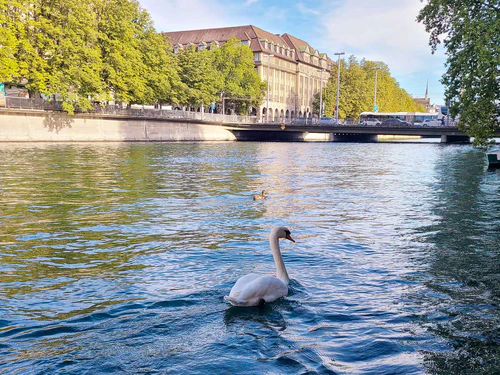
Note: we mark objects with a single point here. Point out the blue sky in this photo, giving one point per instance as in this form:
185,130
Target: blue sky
383,30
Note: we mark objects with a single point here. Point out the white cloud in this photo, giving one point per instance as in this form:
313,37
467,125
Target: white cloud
305,10
250,2
385,31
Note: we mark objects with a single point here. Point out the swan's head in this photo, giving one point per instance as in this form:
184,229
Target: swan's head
282,232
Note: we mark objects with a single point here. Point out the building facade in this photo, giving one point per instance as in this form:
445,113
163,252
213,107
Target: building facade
294,70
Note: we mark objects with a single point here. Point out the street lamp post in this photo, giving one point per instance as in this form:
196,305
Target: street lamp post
308,92
268,64
321,92
338,86
375,109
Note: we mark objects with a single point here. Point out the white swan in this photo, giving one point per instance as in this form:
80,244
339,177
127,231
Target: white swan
255,290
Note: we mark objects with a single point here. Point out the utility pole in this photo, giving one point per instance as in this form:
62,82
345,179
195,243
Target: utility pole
338,86
308,99
321,92
375,108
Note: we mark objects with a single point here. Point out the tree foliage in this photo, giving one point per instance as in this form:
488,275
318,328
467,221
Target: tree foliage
470,30
357,89
202,80
12,32
86,50
241,82
221,72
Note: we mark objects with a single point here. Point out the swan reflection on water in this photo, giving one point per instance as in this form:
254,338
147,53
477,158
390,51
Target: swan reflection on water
267,316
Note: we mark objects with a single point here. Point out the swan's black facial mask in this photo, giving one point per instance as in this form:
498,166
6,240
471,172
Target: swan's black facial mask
288,236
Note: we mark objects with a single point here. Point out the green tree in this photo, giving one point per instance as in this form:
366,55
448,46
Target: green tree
470,30
120,27
356,86
201,79
80,51
330,93
52,45
241,82
357,81
11,34
164,83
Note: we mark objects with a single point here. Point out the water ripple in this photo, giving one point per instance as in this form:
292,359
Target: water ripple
115,258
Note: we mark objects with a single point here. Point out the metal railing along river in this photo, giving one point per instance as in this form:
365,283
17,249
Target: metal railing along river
43,105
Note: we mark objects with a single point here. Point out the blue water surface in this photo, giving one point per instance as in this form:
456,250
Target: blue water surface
115,258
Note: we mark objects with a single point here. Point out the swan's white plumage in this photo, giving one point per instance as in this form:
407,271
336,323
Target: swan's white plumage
251,289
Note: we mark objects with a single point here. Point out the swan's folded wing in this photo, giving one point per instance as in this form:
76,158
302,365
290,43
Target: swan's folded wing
269,288
241,283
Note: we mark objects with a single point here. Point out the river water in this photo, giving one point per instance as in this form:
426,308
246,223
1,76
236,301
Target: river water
114,258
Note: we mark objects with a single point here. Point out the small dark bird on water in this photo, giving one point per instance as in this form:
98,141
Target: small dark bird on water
261,196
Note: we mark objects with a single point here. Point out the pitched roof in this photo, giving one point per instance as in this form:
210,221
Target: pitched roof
208,35
255,35
260,41
301,46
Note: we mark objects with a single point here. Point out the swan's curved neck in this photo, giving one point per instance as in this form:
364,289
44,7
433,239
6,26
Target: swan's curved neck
278,260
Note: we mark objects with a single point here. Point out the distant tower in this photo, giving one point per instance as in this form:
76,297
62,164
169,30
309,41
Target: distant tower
427,90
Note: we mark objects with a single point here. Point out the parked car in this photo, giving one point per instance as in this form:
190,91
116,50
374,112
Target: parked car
431,122
328,121
394,122
370,121
299,121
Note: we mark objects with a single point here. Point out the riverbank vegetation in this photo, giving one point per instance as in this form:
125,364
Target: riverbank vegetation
470,32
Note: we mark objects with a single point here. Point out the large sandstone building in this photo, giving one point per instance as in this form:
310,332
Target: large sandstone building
294,71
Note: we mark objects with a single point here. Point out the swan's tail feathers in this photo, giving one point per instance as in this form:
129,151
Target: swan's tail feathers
235,301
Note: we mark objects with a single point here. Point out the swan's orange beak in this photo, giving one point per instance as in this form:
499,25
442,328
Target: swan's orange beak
288,237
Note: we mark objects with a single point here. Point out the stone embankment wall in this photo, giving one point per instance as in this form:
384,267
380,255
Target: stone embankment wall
40,126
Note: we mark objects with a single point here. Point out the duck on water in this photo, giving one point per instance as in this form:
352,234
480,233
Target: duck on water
260,196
